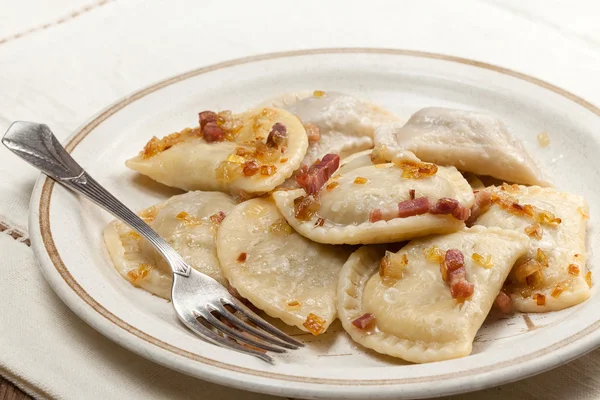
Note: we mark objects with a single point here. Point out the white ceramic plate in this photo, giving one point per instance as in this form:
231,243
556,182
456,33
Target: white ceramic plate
66,229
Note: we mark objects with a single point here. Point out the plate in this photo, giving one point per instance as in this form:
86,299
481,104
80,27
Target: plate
66,230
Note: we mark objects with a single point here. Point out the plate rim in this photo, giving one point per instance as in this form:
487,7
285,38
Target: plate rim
49,257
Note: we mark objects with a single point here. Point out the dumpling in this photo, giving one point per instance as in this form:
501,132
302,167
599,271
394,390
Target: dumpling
336,122
276,269
251,152
379,203
553,274
189,222
430,298
471,141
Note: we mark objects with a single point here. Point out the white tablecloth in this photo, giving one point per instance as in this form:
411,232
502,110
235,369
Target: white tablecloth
63,60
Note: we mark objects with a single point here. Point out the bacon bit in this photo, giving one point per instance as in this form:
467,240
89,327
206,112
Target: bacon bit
149,214
205,117
332,185
558,289
514,188
359,180
456,275
543,139
484,260
213,132
588,278
541,258
410,208
391,267
280,226
242,257
320,222
573,269
228,171
434,254
483,201
411,194
365,321
313,132
140,273
534,231
314,324
250,168
503,302
450,206
267,170
416,169
318,174
319,93
278,136
375,215
540,299
583,212
305,207
218,217
294,304
283,160
525,269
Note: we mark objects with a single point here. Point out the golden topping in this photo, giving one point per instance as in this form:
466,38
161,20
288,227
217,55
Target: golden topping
543,139
230,124
534,231
280,226
242,257
526,269
510,188
332,185
234,158
250,168
573,269
434,254
319,93
359,180
267,170
188,219
484,260
149,214
243,152
293,304
156,146
320,222
588,278
541,258
558,289
540,299
583,212
541,216
305,207
511,205
140,273
391,267
228,171
265,153
283,160
133,235
314,324
416,169
218,217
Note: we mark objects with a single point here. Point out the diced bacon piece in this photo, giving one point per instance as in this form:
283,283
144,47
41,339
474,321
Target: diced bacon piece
452,207
313,132
212,132
383,215
206,117
503,302
250,168
365,321
454,264
313,180
278,135
483,200
375,215
411,193
410,208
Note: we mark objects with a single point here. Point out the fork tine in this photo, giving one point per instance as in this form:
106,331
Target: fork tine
210,336
239,323
235,303
214,321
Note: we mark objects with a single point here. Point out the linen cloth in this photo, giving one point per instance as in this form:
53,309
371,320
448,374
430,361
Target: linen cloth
62,61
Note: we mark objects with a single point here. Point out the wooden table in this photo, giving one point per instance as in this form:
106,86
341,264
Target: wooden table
8,391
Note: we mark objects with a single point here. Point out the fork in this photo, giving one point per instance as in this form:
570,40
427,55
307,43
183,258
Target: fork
201,303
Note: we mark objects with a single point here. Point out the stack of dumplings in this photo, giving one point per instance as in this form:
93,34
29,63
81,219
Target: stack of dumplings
300,205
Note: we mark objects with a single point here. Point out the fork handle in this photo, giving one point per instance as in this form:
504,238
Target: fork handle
37,145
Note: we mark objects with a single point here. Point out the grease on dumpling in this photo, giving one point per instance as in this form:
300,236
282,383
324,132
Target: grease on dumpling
411,313
251,152
189,222
276,269
553,274
471,141
364,204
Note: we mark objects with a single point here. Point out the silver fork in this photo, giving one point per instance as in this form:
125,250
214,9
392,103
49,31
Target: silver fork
196,297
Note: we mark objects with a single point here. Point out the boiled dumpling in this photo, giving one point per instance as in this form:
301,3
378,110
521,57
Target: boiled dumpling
251,152
470,141
553,274
336,122
379,203
189,222
276,269
430,298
